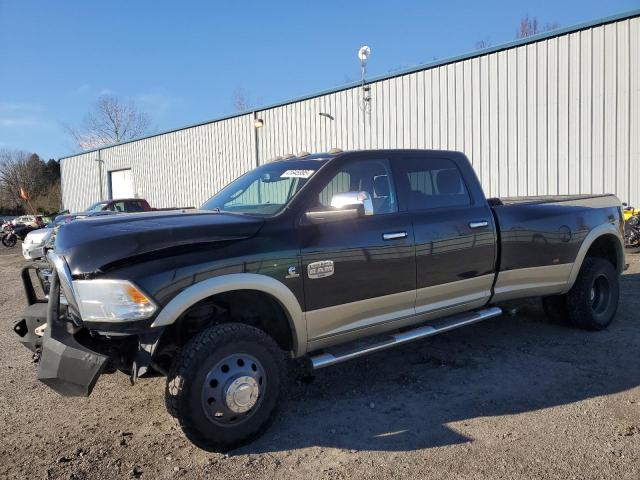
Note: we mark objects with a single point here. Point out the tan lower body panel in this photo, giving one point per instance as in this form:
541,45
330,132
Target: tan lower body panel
470,290
363,313
532,282
351,321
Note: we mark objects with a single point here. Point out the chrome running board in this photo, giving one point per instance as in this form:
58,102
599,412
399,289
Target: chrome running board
343,354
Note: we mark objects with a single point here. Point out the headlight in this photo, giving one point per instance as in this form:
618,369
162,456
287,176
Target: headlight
112,301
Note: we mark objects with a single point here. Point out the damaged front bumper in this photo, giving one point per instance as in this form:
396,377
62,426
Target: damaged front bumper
65,365
70,357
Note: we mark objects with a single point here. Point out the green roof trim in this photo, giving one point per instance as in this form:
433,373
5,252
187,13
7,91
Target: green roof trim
425,66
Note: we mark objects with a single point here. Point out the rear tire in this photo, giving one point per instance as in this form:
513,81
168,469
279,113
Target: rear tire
593,300
224,388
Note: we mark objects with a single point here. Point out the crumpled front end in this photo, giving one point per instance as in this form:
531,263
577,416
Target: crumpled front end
70,356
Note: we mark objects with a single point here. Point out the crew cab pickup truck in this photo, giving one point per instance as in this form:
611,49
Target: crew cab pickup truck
323,257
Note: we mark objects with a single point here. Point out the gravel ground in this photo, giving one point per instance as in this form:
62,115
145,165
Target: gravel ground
513,398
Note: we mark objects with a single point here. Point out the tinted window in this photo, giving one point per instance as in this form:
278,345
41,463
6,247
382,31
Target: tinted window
371,176
134,206
117,207
432,183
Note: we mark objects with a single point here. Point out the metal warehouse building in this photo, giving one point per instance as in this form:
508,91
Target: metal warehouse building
557,113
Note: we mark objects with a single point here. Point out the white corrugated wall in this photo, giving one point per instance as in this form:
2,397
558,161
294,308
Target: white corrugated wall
556,116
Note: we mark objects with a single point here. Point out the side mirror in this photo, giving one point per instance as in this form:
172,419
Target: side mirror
344,206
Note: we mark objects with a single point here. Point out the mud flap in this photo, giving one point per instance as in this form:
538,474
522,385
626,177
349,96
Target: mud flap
67,367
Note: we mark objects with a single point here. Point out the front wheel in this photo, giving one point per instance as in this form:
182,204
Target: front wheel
10,240
225,386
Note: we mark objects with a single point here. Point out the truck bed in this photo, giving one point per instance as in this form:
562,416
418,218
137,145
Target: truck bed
550,199
540,237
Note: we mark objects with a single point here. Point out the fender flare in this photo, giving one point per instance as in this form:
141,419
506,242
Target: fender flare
598,232
240,281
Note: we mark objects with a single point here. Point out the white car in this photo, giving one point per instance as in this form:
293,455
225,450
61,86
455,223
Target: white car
28,220
33,244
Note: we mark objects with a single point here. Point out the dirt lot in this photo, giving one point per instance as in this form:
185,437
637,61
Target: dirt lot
513,398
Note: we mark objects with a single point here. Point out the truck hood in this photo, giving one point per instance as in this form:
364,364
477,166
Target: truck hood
91,244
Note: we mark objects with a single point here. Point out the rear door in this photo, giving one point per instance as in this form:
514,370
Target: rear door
358,274
454,232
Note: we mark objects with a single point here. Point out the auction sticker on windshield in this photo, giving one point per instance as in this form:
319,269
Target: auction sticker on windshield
297,174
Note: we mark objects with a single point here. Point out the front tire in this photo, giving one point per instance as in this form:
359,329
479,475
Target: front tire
592,302
10,240
224,388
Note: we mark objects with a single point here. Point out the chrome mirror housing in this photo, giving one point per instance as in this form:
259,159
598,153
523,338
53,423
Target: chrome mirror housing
347,199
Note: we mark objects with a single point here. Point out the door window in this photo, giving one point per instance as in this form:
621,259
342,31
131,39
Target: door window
431,183
134,206
371,176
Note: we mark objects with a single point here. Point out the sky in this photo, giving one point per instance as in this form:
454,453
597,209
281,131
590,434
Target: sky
182,61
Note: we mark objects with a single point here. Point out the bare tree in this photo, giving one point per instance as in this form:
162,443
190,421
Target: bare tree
16,176
481,44
529,26
241,101
27,181
110,121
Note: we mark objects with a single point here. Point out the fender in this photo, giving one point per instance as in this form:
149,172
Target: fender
240,281
593,235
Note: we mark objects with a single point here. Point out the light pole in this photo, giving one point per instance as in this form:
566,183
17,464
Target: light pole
100,162
257,123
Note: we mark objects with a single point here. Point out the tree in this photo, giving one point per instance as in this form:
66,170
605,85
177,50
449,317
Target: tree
24,173
241,101
529,27
482,44
110,121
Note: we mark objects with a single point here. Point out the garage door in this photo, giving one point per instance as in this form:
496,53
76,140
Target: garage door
121,182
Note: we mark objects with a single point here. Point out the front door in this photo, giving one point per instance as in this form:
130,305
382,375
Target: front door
454,232
358,273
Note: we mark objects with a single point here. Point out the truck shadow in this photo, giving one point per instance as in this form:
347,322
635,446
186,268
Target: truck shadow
425,394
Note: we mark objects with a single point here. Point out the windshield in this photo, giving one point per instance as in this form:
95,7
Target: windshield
96,207
265,190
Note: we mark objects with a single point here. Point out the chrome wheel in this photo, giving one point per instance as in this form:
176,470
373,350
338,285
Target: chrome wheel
233,389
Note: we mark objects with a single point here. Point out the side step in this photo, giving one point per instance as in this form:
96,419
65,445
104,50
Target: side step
342,355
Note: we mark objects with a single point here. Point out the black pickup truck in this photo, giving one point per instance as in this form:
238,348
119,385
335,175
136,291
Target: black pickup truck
323,257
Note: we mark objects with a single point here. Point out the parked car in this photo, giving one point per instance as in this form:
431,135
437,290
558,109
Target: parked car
33,221
127,205
33,243
123,205
306,258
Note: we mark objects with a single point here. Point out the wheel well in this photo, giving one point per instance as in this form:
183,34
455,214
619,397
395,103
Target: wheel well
251,307
606,247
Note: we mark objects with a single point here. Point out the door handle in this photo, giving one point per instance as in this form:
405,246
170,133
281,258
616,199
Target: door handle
394,235
478,224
